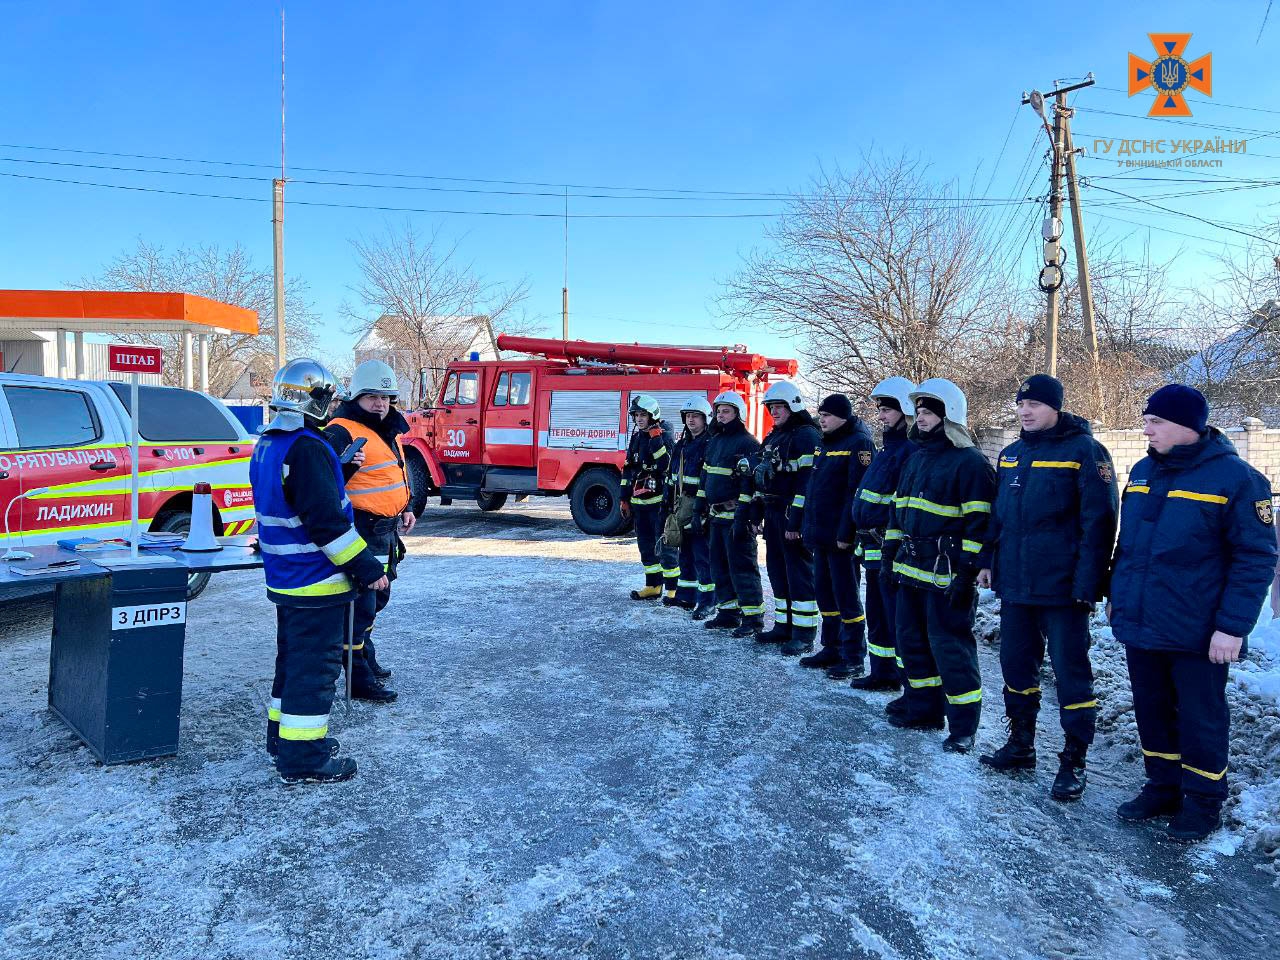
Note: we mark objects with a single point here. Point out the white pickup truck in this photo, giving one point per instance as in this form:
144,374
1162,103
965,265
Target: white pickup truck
72,437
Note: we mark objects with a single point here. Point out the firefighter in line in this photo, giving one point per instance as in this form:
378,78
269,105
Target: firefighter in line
378,487
780,481
725,511
695,590
644,477
936,544
872,509
1052,530
1193,565
838,467
313,560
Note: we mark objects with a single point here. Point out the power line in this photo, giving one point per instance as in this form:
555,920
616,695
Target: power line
1200,103
1183,213
1182,123
1164,229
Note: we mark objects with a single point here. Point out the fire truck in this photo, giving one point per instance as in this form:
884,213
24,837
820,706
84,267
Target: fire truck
555,423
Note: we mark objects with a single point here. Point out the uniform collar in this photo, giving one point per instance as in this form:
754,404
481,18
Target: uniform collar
286,421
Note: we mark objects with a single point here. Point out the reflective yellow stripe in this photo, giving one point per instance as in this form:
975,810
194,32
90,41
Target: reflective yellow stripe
744,498
837,453
805,606
853,619
645,501
1161,756
893,535
871,554
805,461
1205,773
928,506
887,652
1081,706
660,452
294,726
872,497
1061,464
718,471
753,611
1023,693
1137,488
1192,495
915,573
898,660
976,506
804,619
972,546
1008,463
831,613
926,682
973,696
324,588
729,605
798,500
691,479
353,646
653,568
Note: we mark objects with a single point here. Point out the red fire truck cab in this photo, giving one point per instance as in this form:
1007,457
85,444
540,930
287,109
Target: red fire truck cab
555,422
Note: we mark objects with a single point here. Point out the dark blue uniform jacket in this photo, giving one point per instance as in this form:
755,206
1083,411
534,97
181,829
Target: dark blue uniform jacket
1197,548
873,504
1054,521
838,467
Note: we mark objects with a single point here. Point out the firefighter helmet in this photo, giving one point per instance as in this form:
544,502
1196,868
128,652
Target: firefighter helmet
304,386
896,388
375,377
949,395
643,403
735,401
697,404
784,392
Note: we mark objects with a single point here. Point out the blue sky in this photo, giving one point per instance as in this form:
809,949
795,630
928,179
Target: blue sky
742,96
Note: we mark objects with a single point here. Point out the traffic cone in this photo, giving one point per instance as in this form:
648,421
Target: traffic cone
200,538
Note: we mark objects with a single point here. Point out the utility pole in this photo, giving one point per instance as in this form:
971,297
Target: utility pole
1082,266
1051,274
277,218
564,291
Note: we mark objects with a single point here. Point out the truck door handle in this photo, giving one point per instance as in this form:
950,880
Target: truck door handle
4,474
472,423
101,465
526,423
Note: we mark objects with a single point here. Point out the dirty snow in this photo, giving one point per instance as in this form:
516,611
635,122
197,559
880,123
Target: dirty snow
570,774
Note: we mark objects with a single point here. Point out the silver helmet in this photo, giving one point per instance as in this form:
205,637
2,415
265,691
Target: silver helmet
304,386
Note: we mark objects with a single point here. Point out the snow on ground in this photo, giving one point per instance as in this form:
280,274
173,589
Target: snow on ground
571,774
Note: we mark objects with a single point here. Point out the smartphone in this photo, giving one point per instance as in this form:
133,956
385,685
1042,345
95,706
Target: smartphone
352,449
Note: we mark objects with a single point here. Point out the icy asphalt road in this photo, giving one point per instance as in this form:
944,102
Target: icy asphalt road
568,774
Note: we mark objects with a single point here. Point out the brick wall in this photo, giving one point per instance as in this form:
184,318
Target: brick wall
1254,442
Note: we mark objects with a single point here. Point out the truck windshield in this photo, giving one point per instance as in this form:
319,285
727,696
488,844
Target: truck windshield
461,389
166,415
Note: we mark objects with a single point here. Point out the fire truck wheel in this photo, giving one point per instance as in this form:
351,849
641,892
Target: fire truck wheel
419,483
491,501
594,503
181,523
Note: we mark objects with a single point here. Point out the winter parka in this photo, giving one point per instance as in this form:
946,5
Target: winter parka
1197,548
941,512
644,476
794,443
873,505
686,464
841,461
722,484
1054,521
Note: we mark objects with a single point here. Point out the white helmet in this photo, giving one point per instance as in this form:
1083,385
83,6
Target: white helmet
896,388
951,397
304,386
735,401
643,403
784,392
696,404
376,377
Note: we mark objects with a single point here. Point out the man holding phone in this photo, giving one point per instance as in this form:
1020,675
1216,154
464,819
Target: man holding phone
378,486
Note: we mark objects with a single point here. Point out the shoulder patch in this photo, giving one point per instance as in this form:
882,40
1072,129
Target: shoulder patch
1104,471
1265,514
864,457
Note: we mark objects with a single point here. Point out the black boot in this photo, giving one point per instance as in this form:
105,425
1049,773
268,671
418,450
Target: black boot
896,707
958,743
828,656
723,620
674,602
780,632
371,658
1199,817
1070,781
372,692
334,770
1019,751
872,682
801,642
903,720
750,627
704,610
273,746
845,667
1151,802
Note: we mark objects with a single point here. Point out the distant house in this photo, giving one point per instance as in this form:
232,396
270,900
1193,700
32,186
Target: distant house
374,345
1238,372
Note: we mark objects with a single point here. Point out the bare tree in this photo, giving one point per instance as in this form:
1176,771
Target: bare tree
227,275
879,273
426,305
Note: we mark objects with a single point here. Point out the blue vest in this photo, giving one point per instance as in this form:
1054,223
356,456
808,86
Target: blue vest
297,570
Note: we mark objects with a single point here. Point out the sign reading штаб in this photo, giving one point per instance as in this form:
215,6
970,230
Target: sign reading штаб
131,359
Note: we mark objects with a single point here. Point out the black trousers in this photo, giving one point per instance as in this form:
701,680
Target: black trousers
940,655
735,569
380,534
308,663
695,582
790,567
882,641
1024,630
660,561
835,583
1180,703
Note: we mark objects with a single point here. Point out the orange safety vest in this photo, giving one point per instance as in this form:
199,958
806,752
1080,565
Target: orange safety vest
380,486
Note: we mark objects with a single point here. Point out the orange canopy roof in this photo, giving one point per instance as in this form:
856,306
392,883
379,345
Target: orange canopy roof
109,311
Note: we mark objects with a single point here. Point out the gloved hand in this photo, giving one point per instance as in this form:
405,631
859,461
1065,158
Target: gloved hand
960,593
624,508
